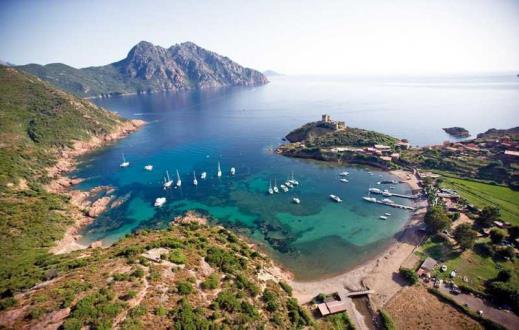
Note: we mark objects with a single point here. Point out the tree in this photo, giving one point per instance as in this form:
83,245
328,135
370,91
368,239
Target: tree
488,215
504,275
497,235
436,220
409,275
514,232
465,236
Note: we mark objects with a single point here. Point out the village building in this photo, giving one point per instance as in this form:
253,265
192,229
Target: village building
427,266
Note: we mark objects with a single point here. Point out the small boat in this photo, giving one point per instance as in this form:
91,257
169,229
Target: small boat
375,190
383,217
276,190
387,201
270,191
296,200
125,163
289,185
233,171
344,180
293,181
167,181
344,173
370,199
284,188
387,214
387,193
370,173
203,175
148,167
219,172
179,182
195,181
336,198
159,201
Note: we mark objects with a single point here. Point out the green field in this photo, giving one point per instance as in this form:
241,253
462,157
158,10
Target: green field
482,194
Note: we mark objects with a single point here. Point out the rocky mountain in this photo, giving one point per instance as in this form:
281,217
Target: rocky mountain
148,68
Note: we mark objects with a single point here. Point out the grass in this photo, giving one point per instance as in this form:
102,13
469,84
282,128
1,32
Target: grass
482,194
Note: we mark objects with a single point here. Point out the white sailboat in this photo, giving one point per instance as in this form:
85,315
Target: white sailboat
167,181
296,200
179,182
336,198
383,217
148,167
219,173
270,188
159,201
195,181
284,188
125,163
233,171
203,175
276,190
294,181
344,180
344,173
369,198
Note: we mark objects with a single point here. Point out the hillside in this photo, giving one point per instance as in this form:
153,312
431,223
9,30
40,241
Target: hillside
38,123
191,276
149,68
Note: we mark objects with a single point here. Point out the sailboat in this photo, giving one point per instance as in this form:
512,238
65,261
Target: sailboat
203,175
276,190
293,181
284,188
270,188
179,182
369,198
336,198
125,163
195,181
219,173
233,171
167,181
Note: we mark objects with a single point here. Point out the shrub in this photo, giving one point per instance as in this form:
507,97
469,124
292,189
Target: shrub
497,235
177,257
270,299
409,275
211,282
243,283
297,315
161,311
184,288
387,322
227,301
287,288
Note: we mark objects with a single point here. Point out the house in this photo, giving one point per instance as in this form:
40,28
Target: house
395,156
427,266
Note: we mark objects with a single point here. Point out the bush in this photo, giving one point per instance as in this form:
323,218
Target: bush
488,215
243,283
271,300
184,288
287,288
387,321
497,235
339,322
139,272
504,293
465,236
409,275
297,315
211,282
504,275
177,257
161,311
227,301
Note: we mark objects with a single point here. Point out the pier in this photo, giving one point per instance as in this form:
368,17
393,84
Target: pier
390,194
392,204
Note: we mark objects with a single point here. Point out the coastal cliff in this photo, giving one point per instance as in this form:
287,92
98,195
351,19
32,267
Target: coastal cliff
147,69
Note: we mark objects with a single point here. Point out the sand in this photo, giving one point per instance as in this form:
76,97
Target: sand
378,274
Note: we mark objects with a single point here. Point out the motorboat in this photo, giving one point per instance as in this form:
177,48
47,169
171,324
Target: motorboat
383,217
179,182
148,167
296,200
370,199
344,173
387,214
375,190
125,163
203,176
233,171
386,193
336,198
284,188
167,181
159,201
344,180
195,181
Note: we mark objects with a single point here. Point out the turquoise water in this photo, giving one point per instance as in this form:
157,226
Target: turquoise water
192,131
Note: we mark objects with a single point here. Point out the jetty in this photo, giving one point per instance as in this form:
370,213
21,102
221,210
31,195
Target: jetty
390,194
390,203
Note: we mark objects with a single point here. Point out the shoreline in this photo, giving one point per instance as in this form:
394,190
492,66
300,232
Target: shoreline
81,210
378,272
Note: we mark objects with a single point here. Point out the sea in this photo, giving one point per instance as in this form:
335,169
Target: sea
192,131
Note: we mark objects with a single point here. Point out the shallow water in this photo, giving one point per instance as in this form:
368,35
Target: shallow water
192,131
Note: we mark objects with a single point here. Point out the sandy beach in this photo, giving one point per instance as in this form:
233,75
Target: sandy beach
377,274
82,210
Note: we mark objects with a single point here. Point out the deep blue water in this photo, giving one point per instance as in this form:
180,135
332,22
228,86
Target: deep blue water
192,131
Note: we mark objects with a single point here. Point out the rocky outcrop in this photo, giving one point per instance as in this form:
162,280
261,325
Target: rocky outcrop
457,132
148,68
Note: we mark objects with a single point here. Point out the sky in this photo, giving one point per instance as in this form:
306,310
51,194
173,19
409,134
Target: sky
292,37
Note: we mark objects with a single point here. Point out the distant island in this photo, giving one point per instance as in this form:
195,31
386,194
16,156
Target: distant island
149,69
272,73
459,132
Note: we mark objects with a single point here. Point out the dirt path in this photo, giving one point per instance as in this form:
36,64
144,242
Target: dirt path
134,302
